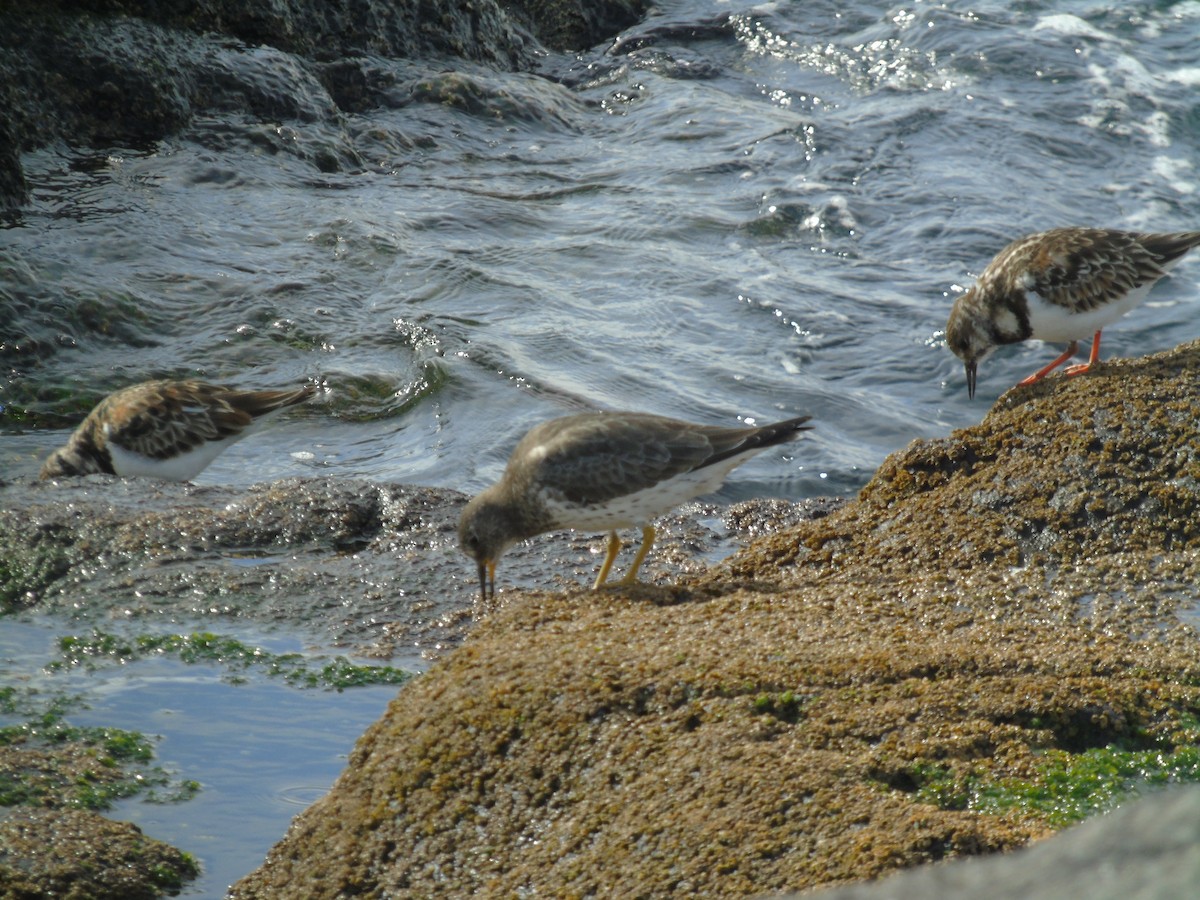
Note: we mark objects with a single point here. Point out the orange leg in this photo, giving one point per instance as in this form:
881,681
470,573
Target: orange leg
1067,354
1092,359
614,547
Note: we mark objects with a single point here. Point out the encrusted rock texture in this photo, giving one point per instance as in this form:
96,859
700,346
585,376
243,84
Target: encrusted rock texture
78,855
1021,586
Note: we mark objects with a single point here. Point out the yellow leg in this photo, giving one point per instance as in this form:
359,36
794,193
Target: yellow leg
614,547
648,535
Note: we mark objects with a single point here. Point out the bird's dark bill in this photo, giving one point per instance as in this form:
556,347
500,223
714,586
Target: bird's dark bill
487,579
971,367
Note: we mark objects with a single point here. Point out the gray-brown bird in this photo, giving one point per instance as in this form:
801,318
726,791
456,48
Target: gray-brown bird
600,471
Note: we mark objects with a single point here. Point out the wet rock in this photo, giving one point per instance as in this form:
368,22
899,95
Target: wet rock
755,518
78,855
61,772
94,81
369,566
13,191
127,73
350,561
822,707
578,25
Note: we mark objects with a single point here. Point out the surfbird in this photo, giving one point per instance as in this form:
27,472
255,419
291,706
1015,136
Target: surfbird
600,471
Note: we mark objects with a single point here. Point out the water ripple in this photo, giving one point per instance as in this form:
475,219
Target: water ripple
724,212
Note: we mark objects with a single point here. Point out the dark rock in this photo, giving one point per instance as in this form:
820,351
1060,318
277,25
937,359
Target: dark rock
13,191
577,25
338,557
127,73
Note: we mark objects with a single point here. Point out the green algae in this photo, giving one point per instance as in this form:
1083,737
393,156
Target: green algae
374,398
337,673
72,853
171,876
1067,787
786,705
45,761
27,571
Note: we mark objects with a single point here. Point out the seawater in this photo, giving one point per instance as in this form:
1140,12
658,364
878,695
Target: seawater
730,212
751,219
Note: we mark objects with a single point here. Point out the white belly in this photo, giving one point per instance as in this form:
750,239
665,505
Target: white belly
1051,322
183,467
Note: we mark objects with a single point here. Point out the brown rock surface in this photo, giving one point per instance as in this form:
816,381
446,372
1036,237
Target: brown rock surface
1007,591
79,855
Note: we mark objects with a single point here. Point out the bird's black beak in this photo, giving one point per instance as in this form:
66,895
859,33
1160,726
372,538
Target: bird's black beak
487,577
971,366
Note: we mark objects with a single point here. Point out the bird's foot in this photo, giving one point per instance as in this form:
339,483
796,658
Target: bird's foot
1032,379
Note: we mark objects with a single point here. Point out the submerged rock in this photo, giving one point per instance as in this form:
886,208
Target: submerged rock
850,696
351,562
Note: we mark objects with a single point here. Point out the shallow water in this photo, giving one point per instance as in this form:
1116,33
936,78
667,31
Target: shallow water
262,751
749,220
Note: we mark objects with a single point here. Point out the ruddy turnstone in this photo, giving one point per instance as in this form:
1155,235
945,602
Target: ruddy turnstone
1059,285
165,429
603,471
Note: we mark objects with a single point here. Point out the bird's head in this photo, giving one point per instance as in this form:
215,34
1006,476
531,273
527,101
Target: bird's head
485,531
970,334
66,462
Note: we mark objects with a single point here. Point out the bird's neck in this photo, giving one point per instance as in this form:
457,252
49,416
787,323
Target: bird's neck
524,518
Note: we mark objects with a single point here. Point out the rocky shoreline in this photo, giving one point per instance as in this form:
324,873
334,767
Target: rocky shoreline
847,696
836,702
898,682
371,568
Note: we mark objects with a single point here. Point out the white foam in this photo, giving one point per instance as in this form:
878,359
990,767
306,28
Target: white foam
1188,76
1157,128
1064,23
1175,172
1138,79
1118,81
